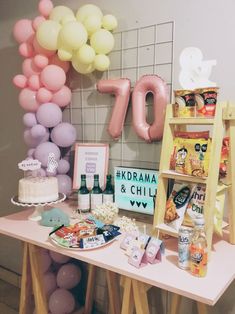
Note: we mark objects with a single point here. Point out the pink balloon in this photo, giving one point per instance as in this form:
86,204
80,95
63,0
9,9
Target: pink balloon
40,50
121,89
29,119
63,166
49,283
34,82
38,21
44,260
59,258
155,85
64,134
61,302
44,95
28,101
33,142
29,68
44,149
65,65
45,7
38,130
49,115
62,97
68,276
53,77
23,31
30,153
40,61
20,81
65,184
26,50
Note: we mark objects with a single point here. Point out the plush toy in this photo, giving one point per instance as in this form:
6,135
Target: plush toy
54,217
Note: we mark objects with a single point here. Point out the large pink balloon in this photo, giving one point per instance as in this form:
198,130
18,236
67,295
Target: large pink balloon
63,97
44,95
33,142
121,89
20,81
68,276
45,7
65,65
43,150
61,302
65,184
29,68
23,31
63,166
155,85
59,258
49,283
41,61
26,50
49,115
29,119
53,77
39,49
28,101
64,134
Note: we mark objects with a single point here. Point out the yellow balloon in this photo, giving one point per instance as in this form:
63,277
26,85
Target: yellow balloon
87,10
67,18
73,35
109,22
102,41
80,67
47,34
101,62
64,55
59,12
86,54
92,24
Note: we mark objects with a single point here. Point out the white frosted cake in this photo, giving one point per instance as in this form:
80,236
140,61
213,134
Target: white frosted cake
38,189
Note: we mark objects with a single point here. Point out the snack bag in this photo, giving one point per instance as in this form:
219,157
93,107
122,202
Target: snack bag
224,158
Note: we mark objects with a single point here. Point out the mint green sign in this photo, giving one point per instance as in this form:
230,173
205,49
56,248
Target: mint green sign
135,189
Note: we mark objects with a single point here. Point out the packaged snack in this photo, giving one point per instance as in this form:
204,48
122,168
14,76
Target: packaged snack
176,204
185,103
224,158
137,257
154,251
91,242
206,99
127,241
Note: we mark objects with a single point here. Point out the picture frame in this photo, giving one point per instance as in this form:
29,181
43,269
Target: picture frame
90,159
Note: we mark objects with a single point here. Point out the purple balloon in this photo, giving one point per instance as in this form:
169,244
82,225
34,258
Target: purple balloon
29,119
33,142
68,276
43,150
49,115
41,172
30,152
65,184
38,130
45,261
59,258
63,166
49,283
64,134
61,302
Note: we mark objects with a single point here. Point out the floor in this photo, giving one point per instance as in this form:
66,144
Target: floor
9,298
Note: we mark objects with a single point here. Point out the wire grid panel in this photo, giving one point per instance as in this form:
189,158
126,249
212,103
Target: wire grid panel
140,51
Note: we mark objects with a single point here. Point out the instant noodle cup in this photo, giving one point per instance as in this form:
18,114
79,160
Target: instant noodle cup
206,100
185,103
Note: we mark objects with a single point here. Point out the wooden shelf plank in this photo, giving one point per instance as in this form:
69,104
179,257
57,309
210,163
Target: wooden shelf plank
170,174
193,121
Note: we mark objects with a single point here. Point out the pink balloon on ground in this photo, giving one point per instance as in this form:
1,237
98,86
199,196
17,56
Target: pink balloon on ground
38,21
40,50
28,101
44,95
49,115
64,134
26,50
45,7
49,283
40,61
63,166
65,184
38,130
65,65
29,68
33,142
34,82
23,31
59,258
20,81
29,119
43,150
62,97
44,261
53,77
68,276
61,302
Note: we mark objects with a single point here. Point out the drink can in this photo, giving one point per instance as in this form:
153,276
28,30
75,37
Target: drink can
184,241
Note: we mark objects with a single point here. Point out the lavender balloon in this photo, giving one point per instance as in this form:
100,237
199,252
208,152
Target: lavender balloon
49,283
49,115
68,276
64,134
38,130
59,258
33,142
29,119
30,153
65,184
63,166
61,302
43,150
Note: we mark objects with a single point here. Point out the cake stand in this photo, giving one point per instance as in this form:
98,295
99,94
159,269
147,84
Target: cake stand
39,207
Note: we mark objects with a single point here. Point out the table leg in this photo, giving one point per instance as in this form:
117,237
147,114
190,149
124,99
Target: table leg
114,292
140,297
201,308
38,290
128,298
175,303
90,289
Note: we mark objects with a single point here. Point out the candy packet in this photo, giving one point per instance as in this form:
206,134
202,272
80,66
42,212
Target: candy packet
137,257
154,251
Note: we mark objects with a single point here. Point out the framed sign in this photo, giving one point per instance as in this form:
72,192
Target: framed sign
90,159
135,189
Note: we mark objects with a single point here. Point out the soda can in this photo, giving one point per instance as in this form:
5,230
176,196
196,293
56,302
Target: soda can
184,240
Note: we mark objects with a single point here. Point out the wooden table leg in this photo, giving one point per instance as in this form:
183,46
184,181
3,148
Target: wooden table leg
140,297
38,289
90,289
114,292
128,298
201,308
175,303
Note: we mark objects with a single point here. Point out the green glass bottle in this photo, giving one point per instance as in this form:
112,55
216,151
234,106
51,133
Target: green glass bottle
83,196
96,193
108,193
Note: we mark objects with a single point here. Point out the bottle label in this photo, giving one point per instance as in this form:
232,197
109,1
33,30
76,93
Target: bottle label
107,198
198,263
84,202
96,199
